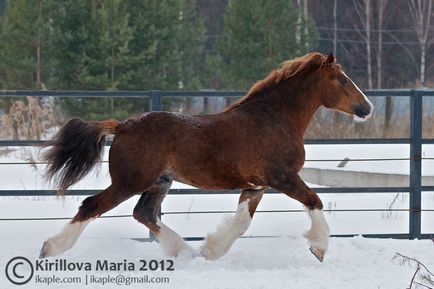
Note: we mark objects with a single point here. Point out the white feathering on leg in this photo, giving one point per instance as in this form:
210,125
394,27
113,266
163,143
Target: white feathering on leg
319,233
64,240
218,244
171,243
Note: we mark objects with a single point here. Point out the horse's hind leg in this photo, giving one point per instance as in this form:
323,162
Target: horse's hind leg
146,212
91,208
218,244
318,234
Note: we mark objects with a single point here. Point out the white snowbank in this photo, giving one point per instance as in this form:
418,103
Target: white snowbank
251,263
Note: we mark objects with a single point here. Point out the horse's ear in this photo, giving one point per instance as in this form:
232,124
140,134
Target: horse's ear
331,58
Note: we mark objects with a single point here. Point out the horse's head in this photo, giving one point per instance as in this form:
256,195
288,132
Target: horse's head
321,77
339,92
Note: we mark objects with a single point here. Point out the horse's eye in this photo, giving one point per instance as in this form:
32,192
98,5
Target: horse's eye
342,81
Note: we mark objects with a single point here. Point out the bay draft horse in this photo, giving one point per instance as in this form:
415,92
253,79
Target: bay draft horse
254,144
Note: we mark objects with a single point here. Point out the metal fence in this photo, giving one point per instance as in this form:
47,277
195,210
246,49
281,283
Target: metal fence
415,142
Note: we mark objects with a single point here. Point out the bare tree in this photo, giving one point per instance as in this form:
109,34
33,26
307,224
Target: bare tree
298,27
381,10
363,12
303,17
38,45
422,277
306,20
420,16
335,26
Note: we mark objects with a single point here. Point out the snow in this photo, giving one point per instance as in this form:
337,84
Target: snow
190,222
30,177
283,262
340,152
252,263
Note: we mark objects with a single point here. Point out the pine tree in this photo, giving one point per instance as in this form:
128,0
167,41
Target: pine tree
115,34
23,47
75,39
191,39
125,45
91,41
92,52
167,43
258,35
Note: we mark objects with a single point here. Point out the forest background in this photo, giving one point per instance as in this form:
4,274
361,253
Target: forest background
205,45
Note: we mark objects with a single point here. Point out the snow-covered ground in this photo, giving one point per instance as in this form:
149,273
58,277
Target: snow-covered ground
283,262
252,263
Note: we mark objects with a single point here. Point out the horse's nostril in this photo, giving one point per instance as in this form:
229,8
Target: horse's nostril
358,112
361,111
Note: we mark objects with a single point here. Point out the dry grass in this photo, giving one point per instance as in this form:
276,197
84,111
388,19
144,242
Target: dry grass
428,127
27,120
330,124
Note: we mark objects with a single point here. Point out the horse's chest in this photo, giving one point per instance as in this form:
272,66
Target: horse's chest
287,158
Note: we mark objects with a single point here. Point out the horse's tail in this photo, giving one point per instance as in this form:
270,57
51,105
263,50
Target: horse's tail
75,150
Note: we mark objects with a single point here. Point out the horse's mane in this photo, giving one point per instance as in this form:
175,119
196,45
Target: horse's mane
291,70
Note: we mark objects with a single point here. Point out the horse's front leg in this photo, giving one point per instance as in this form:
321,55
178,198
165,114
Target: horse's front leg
218,244
318,234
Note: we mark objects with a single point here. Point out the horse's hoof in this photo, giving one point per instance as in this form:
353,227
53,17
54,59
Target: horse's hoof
187,253
210,254
318,253
43,253
205,253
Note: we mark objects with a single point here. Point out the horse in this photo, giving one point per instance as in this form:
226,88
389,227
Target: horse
254,144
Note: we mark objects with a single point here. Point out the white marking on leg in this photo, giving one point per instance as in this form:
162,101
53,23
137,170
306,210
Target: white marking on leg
172,243
319,232
64,240
218,244
253,186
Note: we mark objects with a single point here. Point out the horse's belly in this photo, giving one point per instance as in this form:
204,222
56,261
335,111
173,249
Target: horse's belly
218,177
209,183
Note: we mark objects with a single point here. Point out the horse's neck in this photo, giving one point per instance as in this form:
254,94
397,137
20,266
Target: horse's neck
300,108
291,107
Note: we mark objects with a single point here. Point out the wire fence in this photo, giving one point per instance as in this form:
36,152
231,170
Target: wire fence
307,160
415,141
211,212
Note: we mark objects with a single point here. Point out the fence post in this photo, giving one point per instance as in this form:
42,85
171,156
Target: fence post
415,163
155,102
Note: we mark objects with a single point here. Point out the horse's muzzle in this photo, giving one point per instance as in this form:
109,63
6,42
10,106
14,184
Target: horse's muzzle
363,110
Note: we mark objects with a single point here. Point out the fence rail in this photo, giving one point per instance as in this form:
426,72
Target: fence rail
415,141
